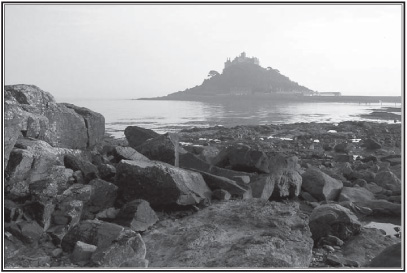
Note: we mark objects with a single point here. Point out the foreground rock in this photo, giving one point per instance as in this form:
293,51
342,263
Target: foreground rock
390,257
244,233
335,220
136,135
160,184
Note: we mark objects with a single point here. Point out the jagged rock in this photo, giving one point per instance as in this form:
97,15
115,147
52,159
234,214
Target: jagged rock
82,252
40,211
136,135
42,118
127,153
371,144
215,182
137,215
387,180
12,211
242,233
159,183
107,172
162,148
94,122
92,232
333,219
88,170
389,257
68,213
79,192
12,131
320,185
355,194
28,232
243,158
220,194
103,195
128,248
263,186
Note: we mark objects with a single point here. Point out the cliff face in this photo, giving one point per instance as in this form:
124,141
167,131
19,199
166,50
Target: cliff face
245,78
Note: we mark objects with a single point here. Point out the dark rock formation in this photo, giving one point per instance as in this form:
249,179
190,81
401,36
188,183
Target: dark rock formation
390,257
136,135
159,183
136,215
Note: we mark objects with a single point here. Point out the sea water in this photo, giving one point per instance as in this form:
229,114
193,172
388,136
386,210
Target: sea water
170,116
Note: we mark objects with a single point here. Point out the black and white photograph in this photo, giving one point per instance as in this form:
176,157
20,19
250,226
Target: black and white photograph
165,136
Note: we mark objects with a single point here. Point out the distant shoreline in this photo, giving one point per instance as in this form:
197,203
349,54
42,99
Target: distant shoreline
344,99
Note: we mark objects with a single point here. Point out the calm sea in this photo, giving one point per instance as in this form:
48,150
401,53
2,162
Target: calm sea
169,116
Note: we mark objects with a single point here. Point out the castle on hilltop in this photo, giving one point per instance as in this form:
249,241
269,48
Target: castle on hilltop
242,59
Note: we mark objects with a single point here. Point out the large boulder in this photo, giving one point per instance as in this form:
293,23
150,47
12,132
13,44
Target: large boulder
333,219
137,135
42,118
103,195
320,185
243,233
162,148
389,257
94,122
263,186
355,194
243,158
159,183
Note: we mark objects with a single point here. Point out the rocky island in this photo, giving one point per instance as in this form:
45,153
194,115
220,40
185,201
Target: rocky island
243,78
268,196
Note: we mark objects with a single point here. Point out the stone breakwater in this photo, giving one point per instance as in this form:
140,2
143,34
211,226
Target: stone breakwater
250,196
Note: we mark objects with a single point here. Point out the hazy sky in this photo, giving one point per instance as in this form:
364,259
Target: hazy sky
132,51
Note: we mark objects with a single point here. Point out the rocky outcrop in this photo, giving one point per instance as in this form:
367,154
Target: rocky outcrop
42,118
160,184
234,234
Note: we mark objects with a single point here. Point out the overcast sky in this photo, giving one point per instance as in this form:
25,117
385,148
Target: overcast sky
132,51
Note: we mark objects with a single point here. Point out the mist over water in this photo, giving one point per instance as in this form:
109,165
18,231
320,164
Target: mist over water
165,116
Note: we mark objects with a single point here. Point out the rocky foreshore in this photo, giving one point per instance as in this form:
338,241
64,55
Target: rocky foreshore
269,196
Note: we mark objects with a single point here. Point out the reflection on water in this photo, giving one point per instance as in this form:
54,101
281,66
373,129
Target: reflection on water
164,116
389,228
